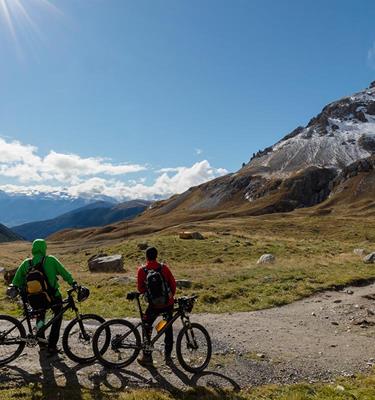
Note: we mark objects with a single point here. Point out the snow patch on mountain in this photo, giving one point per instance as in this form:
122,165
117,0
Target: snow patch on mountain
341,134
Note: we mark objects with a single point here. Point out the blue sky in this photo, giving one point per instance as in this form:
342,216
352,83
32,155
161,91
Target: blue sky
169,83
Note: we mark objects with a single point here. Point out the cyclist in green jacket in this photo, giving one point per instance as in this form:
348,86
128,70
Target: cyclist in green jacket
52,268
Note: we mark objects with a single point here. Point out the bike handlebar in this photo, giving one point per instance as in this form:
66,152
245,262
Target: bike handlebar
186,298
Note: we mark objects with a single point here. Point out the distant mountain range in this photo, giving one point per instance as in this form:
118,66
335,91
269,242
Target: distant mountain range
95,214
16,209
329,163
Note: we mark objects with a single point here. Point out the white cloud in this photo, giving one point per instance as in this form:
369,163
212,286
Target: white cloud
22,162
69,165
198,152
17,152
371,56
93,176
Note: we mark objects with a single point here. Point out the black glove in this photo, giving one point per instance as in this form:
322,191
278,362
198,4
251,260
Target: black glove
12,292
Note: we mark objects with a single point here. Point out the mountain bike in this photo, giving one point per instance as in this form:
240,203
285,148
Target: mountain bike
193,344
76,338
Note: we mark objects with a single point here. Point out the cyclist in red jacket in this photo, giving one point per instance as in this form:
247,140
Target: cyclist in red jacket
157,282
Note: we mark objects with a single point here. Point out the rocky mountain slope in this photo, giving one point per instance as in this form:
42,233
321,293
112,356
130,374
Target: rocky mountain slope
96,214
342,133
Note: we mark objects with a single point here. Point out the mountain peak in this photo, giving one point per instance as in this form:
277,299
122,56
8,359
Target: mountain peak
342,133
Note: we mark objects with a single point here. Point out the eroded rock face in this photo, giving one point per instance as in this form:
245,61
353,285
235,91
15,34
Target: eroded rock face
365,165
113,263
310,187
367,142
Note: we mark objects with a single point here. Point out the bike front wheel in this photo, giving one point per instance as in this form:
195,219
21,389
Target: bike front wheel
193,347
125,343
78,335
12,339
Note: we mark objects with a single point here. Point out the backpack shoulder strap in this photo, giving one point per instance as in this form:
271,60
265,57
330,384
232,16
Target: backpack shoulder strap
145,270
41,264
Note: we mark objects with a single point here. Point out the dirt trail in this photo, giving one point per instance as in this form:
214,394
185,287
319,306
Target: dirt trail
318,338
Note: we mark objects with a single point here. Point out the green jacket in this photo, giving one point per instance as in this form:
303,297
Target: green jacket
52,268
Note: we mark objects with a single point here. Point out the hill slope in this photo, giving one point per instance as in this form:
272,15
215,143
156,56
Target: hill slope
7,235
96,214
298,171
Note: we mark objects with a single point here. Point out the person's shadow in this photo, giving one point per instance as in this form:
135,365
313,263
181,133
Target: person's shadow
50,388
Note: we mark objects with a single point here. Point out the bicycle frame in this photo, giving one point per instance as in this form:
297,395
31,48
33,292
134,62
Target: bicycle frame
179,313
69,304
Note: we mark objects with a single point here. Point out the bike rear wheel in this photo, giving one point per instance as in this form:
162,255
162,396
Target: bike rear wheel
78,335
12,339
193,348
125,343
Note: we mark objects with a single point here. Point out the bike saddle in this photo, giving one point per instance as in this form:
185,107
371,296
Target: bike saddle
132,295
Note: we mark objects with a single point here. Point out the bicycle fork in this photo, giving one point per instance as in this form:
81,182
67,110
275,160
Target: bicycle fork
83,335
189,334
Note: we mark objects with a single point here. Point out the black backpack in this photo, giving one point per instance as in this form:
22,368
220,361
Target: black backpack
157,288
38,291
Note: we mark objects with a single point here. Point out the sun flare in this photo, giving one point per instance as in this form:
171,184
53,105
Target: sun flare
17,15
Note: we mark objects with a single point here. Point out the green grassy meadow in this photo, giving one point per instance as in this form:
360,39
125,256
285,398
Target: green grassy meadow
312,254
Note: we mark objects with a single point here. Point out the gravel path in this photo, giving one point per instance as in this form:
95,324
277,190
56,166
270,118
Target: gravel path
327,335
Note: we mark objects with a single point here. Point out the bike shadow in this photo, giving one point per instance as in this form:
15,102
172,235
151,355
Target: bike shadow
58,380
208,384
210,380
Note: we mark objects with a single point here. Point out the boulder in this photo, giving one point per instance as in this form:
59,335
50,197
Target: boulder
183,283
266,259
113,263
369,259
360,252
93,257
9,275
142,246
191,235
122,280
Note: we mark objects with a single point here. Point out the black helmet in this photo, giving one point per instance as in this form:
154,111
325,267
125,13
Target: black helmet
83,293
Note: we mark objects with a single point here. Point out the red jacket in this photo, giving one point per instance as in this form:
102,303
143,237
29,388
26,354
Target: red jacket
167,274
